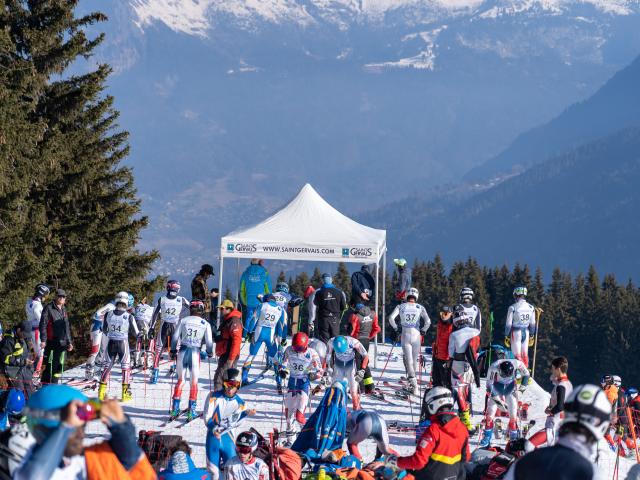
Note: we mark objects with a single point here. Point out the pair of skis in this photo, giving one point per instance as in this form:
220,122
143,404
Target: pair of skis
173,418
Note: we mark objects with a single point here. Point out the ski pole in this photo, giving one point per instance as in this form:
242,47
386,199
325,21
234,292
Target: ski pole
386,363
490,339
539,313
632,427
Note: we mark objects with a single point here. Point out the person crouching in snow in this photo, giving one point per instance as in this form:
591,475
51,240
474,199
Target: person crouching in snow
341,352
365,424
502,390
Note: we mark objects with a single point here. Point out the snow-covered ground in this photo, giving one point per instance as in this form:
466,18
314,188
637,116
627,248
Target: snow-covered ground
150,405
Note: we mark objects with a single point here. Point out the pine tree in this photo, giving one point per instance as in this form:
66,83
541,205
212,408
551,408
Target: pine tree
316,278
84,214
342,279
281,277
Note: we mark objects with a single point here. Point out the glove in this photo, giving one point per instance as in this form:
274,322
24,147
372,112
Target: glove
283,373
203,354
210,355
391,461
173,354
311,329
532,340
313,376
507,342
359,375
283,342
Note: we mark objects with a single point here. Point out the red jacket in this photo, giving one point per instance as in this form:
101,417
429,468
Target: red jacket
441,345
442,449
231,333
373,328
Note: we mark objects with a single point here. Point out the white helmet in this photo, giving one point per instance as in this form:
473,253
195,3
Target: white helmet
617,381
436,398
413,292
466,293
588,405
122,297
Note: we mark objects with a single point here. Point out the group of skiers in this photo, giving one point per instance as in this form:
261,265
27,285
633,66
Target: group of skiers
335,354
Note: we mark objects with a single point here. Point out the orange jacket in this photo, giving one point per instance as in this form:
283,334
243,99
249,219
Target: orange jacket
611,391
102,464
231,333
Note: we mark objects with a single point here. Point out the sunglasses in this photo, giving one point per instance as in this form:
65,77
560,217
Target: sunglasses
245,450
231,384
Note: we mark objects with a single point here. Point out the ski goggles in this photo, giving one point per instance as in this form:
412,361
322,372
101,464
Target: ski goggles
244,449
231,384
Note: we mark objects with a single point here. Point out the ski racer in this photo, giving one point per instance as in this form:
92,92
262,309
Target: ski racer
472,312
285,299
116,327
268,326
440,371
443,448
143,314
33,310
99,341
341,351
462,361
402,280
415,322
363,285
587,418
224,410
56,417
521,326
502,391
245,465
367,424
562,388
189,335
302,365
168,311
330,302
364,327
254,281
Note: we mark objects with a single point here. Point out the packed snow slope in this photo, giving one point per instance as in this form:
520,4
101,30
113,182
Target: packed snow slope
150,406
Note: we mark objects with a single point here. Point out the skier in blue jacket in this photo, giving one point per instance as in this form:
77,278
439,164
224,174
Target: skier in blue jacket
254,281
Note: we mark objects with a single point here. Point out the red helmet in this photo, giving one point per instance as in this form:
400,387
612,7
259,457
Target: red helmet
300,342
173,286
309,291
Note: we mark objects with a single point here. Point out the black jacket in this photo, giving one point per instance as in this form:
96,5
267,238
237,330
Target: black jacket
360,282
13,352
330,302
54,325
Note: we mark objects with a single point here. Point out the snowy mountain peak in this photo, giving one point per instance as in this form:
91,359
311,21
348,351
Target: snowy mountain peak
197,17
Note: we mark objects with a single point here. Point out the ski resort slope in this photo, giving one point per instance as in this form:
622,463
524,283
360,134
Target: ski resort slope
150,406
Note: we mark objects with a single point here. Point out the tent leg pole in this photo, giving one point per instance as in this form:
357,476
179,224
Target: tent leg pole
384,295
220,292
375,344
238,282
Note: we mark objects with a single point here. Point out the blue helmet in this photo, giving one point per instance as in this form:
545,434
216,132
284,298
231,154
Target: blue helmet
131,300
340,344
632,392
44,406
15,402
282,287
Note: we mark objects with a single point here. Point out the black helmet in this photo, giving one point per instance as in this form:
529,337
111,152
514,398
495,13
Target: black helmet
246,443
231,375
506,369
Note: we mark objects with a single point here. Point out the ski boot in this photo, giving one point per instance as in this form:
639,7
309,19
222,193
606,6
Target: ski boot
280,389
175,408
102,391
154,376
88,372
465,417
487,434
126,392
172,370
513,434
192,413
413,385
300,418
245,375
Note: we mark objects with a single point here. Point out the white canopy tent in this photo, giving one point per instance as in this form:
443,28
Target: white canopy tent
309,229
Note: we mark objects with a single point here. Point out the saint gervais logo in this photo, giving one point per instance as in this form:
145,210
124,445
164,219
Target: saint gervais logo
246,247
229,247
360,252
345,252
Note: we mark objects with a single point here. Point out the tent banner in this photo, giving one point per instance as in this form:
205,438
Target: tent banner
343,253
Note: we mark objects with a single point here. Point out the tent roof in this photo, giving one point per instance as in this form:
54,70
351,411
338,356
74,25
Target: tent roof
307,223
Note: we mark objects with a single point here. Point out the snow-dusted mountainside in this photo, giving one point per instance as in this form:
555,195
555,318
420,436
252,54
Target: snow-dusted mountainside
233,105
149,409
